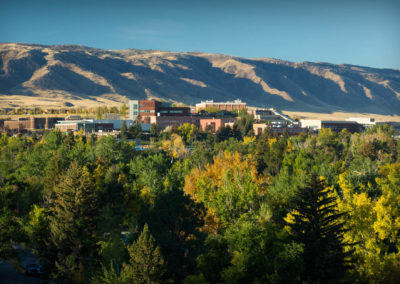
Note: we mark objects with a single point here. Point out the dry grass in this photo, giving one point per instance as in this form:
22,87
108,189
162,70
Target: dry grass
340,115
10,101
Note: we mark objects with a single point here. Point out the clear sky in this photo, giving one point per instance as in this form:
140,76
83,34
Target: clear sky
360,32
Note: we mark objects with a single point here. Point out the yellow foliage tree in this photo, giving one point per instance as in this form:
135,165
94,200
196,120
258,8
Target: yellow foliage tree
187,131
227,187
174,147
249,139
373,226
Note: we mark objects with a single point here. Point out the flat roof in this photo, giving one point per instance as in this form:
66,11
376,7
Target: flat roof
238,101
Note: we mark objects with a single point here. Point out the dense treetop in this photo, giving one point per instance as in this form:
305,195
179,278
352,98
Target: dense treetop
201,208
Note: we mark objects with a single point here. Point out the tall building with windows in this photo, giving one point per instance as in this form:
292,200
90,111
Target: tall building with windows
133,109
143,110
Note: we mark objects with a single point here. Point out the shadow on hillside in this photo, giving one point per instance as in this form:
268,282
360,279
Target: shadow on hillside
310,92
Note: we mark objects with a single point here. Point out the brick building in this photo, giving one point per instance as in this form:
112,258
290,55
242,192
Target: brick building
31,123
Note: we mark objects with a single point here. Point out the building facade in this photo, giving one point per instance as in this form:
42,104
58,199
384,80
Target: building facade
335,125
213,124
236,105
272,115
92,125
165,121
144,109
31,123
259,128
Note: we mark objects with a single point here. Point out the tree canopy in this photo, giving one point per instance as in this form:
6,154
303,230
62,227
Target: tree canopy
197,207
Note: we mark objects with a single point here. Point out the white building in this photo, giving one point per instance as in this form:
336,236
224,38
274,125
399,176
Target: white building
236,105
364,121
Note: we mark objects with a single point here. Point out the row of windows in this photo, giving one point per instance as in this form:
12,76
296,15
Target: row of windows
171,111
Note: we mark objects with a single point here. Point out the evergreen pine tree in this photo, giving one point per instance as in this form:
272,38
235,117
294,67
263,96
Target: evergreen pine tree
123,131
137,131
73,223
315,224
146,263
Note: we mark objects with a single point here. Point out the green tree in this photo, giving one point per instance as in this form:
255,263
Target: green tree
108,276
123,132
250,251
136,131
314,223
123,110
37,230
99,113
73,223
10,234
188,132
175,221
245,123
146,264
154,130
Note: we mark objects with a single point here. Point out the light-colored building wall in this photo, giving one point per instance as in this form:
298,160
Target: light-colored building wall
64,127
364,121
133,109
258,128
335,125
314,124
227,106
92,124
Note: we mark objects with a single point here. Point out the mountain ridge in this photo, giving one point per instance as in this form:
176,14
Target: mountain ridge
79,73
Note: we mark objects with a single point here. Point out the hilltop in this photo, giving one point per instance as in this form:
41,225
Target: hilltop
40,75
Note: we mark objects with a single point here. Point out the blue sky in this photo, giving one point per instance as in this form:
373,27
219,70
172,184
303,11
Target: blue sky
360,32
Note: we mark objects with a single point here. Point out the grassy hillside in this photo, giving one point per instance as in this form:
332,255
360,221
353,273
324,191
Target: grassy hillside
52,75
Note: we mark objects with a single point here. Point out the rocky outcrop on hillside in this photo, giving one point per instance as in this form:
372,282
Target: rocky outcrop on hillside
77,72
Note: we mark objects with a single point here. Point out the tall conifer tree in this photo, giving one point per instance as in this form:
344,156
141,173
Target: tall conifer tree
315,223
146,263
73,223
123,132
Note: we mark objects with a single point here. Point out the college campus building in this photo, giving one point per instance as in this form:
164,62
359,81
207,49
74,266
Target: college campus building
143,110
335,125
96,125
147,112
165,121
213,124
226,106
30,123
259,128
271,115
